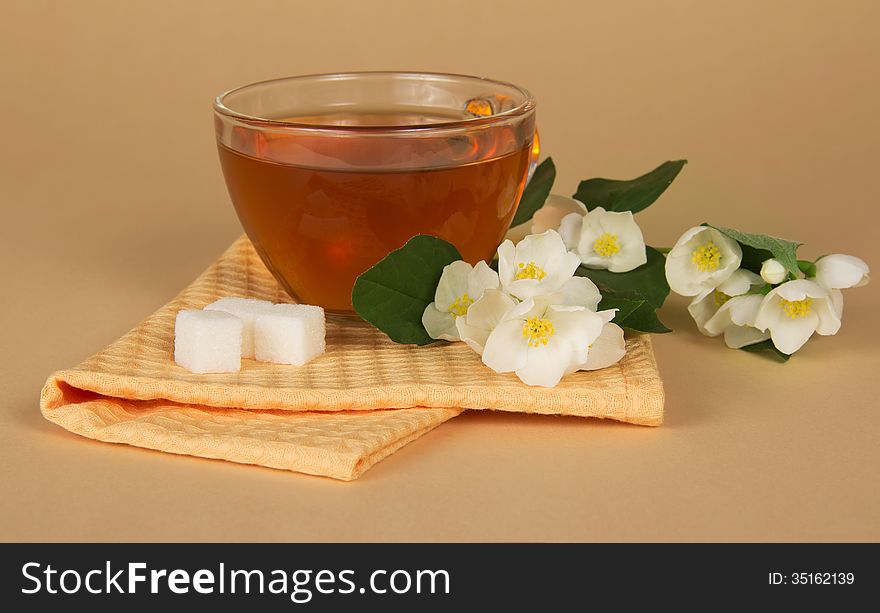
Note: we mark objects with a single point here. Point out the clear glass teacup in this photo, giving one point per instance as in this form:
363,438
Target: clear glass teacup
329,173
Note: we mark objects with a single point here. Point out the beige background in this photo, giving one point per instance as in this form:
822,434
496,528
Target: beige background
108,159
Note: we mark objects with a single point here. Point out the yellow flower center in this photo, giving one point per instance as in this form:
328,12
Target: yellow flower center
606,245
797,308
707,257
530,271
720,298
460,306
537,331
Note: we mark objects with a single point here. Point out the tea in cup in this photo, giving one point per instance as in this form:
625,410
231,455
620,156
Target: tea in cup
329,173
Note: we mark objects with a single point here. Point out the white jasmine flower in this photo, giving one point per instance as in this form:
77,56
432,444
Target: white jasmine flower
701,260
548,217
610,240
795,310
487,312
482,317
773,272
705,305
839,271
609,347
542,343
538,265
736,320
460,286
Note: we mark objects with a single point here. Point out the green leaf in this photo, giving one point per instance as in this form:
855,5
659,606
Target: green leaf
807,267
393,294
769,348
759,247
536,192
648,280
637,293
634,195
634,313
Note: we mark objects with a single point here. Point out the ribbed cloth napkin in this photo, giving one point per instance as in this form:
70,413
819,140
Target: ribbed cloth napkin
336,416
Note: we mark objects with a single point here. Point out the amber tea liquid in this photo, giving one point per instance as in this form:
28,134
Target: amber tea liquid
318,228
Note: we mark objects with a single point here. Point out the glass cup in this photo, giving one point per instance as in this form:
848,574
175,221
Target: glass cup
329,173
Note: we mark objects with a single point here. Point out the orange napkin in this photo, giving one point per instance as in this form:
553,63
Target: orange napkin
336,416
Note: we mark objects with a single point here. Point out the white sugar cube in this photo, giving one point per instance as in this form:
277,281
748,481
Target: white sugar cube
207,341
289,334
246,309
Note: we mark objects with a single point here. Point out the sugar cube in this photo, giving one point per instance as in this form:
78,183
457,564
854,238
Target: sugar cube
207,341
289,334
246,309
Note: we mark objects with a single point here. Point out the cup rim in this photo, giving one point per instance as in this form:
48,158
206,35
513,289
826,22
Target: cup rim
527,105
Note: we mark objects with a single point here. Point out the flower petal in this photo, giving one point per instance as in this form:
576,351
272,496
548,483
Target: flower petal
556,207
607,315
744,309
439,324
481,278
577,291
505,349
737,311
544,366
829,321
541,249
524,310
525,288
790,334
570,229
506,263
622,224
482,317
475,337
491,309
703,309
840,271
798,289
631,256
740,282
563,270
770,311
737,337
685,238
837,302
680,277
453,283
578,328
731,252
607,349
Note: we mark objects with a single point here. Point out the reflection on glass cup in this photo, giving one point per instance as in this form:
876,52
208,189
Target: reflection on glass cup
329,173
